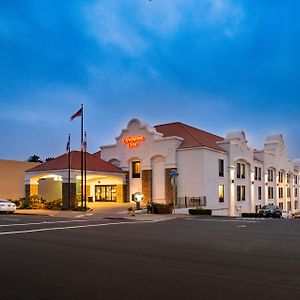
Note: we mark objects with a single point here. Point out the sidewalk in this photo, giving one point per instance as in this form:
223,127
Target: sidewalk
119,212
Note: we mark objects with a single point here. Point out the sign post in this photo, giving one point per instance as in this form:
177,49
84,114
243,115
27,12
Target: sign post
174,175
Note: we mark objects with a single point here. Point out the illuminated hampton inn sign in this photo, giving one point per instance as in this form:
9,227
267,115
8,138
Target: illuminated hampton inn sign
133,141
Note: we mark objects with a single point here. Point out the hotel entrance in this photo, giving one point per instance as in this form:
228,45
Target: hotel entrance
106,193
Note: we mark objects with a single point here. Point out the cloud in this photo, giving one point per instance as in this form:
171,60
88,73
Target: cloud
111,28
129,25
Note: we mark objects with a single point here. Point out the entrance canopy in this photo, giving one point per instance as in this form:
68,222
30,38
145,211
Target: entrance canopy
51,179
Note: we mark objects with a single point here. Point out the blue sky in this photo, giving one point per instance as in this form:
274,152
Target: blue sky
220,65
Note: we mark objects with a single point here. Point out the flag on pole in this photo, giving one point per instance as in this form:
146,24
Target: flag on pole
77,114
68,143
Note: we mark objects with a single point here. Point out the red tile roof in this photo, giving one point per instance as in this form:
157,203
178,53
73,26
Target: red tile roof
192,137
97,154
92,164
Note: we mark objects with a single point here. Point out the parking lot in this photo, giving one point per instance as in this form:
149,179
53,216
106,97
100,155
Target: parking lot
111,258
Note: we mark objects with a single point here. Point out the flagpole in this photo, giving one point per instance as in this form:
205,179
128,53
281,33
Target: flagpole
85,145
82,156
69,173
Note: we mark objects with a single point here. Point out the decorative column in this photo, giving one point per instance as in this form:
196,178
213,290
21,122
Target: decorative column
147,186
69,192
31,188
265,188
232,208
252,191
276,189
169,189
126,185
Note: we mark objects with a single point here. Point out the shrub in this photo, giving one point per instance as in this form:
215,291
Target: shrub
200,211
19,202
161,208
35,201
53,204
250,215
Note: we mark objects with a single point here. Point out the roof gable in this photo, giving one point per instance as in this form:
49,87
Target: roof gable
93,163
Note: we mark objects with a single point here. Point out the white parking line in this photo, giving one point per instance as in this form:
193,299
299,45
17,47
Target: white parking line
223,220
74,227
40,223
81,216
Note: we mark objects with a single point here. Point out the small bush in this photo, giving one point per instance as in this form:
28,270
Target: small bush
35,201
53,204
19,202
250,215
161,208
200,211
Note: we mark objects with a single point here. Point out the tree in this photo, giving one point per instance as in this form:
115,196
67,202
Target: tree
34,158
49,158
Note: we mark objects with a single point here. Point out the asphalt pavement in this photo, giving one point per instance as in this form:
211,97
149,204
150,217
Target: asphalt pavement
44,257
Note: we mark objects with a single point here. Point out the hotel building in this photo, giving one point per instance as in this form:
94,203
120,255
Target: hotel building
227,174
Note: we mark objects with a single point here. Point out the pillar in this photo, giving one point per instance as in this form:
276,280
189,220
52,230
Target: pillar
147,186
252,191
27,195
232,208
169,189
65,195
69,188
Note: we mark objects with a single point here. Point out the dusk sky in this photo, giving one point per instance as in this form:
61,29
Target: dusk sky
220,65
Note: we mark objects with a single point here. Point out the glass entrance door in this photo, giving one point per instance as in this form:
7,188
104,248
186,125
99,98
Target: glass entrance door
106,193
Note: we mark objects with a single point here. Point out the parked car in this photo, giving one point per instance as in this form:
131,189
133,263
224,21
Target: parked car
270,211
7,206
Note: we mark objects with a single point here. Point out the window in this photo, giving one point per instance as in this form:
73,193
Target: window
270,175
296,179
288,176
240,170
280,192
280,177
259,193
106,193
288,192
257,173
136,169
241,193
221,167
221,193
296,204
281,205
270,192
296,192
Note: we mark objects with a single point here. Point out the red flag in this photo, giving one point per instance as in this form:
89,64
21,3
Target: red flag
77,114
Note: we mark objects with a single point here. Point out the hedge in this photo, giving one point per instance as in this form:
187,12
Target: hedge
250,215
200,211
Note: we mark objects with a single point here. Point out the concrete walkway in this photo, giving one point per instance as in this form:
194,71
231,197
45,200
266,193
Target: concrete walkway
98,210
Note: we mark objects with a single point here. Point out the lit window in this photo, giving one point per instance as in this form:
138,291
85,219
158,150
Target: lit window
221,193
136,169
